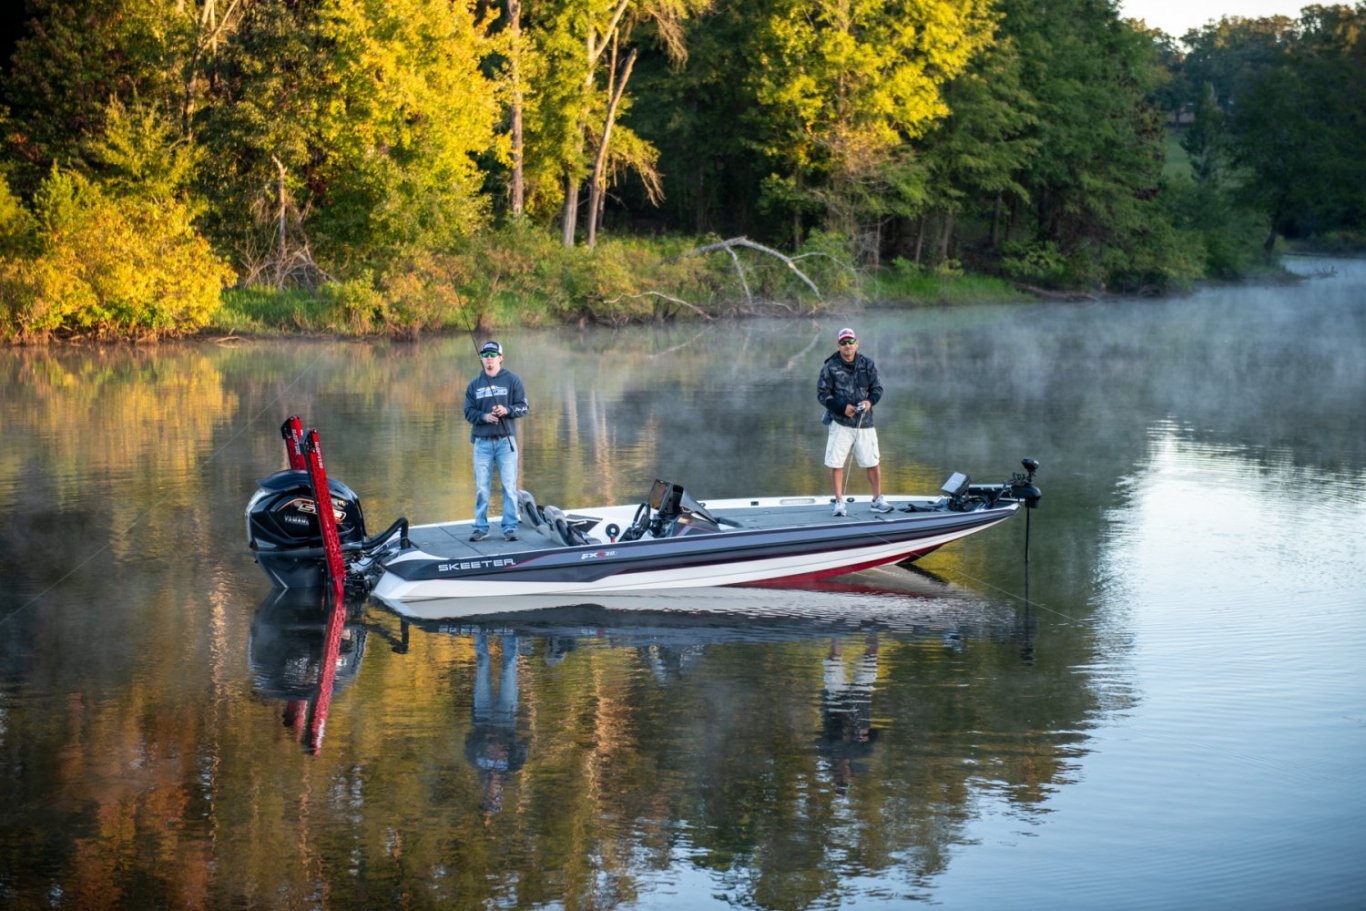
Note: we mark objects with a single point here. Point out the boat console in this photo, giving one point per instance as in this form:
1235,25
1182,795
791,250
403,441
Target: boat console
670,512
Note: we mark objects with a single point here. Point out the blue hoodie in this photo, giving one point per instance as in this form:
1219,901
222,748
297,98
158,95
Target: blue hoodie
483,392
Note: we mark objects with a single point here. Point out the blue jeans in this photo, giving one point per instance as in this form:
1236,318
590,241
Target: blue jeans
495,708
486,453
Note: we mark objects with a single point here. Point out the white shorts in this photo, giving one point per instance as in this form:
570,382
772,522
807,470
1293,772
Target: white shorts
863,441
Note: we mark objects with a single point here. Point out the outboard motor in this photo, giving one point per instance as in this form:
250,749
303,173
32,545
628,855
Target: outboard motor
283,529
285,533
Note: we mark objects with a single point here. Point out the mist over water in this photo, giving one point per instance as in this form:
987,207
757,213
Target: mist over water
1162,710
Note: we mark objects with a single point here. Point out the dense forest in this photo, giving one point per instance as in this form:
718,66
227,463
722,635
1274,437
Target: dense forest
393,166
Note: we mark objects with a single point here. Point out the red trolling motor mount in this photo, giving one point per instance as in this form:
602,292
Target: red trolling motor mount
300,546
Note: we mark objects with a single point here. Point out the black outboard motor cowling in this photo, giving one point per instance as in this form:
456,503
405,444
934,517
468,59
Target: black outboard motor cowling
283,528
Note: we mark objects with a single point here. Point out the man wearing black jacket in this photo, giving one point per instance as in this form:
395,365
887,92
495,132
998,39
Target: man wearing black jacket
849,388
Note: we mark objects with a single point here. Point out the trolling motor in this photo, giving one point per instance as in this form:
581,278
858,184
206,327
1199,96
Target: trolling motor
961,495
287,533
1022,486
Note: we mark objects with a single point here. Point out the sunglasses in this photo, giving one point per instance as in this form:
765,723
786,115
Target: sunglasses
489,354
848,341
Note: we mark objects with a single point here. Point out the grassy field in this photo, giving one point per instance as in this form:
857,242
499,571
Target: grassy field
1177,163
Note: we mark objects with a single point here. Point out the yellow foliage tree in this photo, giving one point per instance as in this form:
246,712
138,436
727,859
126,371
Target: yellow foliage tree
108,267
846,82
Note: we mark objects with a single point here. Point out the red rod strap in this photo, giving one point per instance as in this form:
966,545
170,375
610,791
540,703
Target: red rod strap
322,500
292,430
327,677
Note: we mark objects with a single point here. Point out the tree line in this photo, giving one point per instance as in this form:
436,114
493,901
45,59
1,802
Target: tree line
398,157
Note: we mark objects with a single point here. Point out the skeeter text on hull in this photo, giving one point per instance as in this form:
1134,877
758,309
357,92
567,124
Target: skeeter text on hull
668,541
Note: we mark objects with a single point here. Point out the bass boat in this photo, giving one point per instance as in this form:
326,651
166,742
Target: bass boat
670,540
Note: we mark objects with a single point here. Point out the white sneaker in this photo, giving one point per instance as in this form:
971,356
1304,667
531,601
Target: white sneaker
881,505
839,509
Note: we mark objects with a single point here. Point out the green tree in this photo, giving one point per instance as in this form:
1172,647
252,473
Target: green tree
588,50
260,126
1292,131
975,157
76,57
844,83
344,132
109,266
141,153
16,224
405,114
1094,182
1227,53
707,127
1205,141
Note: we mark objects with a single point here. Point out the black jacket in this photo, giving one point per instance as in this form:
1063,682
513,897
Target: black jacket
842,384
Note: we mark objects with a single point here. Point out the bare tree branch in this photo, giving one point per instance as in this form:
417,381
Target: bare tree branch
673,300
1056,295
680,346
847,265
800,357
729,245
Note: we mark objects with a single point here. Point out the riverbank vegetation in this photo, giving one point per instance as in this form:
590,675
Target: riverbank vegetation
409,166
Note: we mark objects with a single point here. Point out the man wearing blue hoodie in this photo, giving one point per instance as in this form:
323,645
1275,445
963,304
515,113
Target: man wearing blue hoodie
493,401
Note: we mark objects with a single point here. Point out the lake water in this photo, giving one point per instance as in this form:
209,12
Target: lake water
1165,708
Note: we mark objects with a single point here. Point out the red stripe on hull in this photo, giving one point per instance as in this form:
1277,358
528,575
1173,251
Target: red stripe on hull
784,581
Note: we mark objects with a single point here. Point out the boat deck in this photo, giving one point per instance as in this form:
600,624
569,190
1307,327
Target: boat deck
451,539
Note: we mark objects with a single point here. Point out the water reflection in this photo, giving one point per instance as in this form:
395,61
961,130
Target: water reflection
1190,612
492,745
289,648
847,731
750,735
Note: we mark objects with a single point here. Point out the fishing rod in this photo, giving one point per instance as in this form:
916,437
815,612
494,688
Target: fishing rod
849,459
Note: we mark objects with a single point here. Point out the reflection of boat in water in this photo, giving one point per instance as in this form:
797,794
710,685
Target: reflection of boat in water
686,671
287,643
669,541
826,640
909,603
303,650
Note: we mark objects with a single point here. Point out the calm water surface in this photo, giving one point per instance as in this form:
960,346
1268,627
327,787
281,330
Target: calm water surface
1165,708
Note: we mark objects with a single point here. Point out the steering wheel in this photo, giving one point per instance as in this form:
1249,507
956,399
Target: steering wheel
638,524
